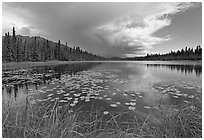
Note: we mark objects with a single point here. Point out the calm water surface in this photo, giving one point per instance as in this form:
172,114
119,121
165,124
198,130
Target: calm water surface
134,87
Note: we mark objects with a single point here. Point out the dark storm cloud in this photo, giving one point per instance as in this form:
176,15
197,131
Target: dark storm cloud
109,29
74,23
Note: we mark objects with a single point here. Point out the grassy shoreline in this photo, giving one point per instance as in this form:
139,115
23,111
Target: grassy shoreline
56,122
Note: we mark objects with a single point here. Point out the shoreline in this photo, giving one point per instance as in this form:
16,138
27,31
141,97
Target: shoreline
23,64
40,63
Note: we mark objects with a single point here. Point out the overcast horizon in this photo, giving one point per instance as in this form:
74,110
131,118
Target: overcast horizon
109,29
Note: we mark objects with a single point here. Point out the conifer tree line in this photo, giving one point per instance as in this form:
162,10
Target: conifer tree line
182,54
17,48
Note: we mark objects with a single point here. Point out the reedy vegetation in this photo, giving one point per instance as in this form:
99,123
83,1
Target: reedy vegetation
55,121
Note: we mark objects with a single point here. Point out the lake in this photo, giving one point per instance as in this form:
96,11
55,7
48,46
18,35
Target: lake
136,87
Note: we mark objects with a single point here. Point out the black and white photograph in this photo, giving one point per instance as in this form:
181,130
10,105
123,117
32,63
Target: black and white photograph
101,69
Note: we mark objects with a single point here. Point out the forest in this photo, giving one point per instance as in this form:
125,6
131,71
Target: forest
17,48
183,54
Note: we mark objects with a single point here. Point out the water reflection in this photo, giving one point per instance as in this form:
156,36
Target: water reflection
125,86
185,69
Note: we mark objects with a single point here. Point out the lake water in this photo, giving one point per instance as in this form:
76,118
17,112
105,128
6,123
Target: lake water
134,87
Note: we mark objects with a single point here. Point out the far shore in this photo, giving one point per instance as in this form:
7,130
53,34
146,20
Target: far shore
26,64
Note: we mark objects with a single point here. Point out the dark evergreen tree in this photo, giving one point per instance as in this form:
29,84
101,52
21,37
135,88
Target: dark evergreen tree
58,50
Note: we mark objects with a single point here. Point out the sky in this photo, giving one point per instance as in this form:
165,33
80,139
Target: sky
109,29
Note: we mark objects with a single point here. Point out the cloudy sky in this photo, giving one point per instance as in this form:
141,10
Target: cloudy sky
110,29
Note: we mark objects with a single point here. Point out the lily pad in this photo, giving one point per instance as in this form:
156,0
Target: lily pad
147,107
132,103
105,112
131,108
113,105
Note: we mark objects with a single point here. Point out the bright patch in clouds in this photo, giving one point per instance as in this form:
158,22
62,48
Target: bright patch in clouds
133,34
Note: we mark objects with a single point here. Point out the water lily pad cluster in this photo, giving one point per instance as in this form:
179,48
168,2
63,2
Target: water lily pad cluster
86,86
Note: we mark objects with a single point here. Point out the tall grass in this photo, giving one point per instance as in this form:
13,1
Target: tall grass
60,122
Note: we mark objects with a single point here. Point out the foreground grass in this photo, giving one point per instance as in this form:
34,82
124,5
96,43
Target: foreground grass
56,122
